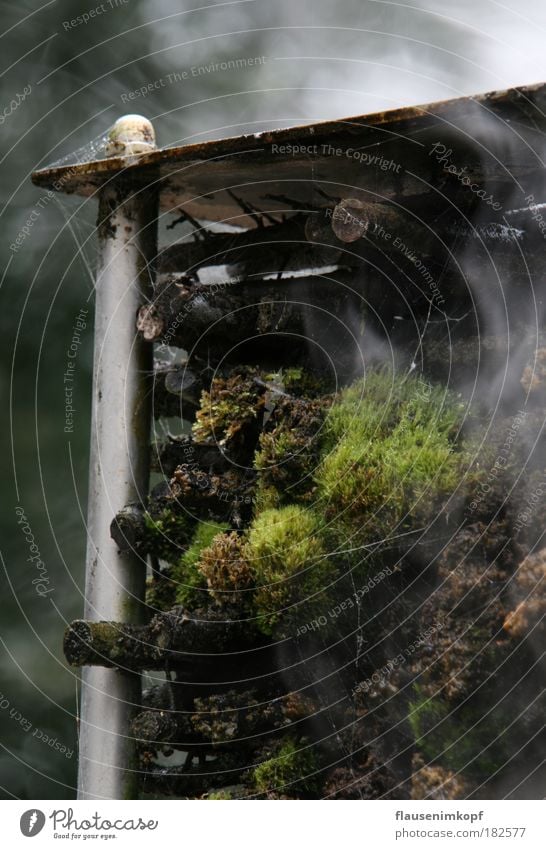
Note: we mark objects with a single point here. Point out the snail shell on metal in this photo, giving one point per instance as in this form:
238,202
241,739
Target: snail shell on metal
130,134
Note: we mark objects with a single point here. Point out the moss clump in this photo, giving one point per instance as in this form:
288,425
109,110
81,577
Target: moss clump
291,769
229,412
219,795
226,570
435,782
190,582
296,381
528,597
459,739
266,498
389,456
286,551
289,449
167,533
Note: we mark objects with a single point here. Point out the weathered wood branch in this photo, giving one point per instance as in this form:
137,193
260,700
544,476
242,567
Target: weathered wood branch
229,718
252,253
128,528
167,456
196,780
211,493
160,727
172,639
212,320
319,237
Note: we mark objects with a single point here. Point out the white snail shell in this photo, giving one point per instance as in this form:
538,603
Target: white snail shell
130,134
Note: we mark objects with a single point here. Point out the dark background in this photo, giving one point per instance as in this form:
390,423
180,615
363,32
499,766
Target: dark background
322,60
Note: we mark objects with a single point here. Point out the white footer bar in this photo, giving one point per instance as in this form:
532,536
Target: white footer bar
320,825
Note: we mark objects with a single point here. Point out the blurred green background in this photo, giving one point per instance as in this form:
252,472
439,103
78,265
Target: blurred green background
322,60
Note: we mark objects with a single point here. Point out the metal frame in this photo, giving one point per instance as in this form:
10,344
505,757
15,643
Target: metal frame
119,469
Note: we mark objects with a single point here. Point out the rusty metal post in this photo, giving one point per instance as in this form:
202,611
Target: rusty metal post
119,464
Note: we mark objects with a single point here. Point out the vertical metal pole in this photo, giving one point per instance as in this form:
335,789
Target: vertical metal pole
119,469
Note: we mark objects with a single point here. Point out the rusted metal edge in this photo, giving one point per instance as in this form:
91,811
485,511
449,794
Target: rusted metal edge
86,178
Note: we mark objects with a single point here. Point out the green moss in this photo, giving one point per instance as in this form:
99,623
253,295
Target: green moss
289,449
292,765
190,583
285,549
296,381
461,738
389,455
266,497
226,571
227,411
220,795
168,533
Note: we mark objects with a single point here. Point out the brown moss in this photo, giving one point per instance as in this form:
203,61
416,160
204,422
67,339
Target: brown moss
471,677
288,450
217,495
226,570
366,778
528,591
468,598
230,414
237,716
430,781
298,706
